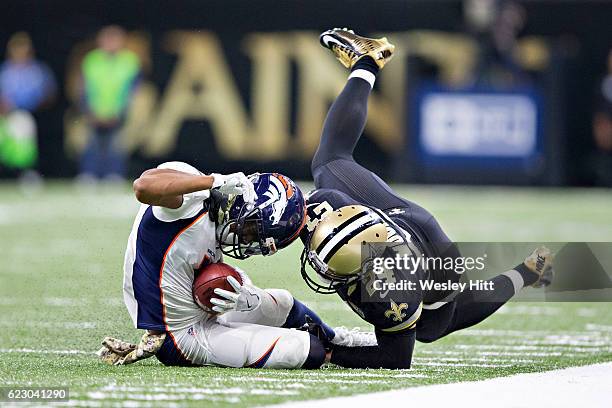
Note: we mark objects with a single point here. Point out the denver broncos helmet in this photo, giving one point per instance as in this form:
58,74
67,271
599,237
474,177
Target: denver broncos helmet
271,223
333,249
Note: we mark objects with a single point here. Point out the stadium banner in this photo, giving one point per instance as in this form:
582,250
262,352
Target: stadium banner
252,94
460,133
570,271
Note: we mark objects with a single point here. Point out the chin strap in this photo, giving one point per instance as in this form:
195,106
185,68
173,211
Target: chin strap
219,204
270,245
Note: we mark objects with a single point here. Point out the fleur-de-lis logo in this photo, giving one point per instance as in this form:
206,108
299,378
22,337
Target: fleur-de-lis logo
396,311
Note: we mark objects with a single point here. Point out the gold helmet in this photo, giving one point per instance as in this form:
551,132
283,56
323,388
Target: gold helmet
333,249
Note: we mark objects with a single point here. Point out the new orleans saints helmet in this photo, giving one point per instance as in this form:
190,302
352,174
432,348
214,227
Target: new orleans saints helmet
333,249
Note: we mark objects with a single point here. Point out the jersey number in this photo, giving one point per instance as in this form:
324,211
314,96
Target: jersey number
317,215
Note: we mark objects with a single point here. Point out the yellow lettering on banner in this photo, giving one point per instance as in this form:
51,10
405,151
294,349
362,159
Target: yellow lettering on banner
321,79
207,91
201,87
270,90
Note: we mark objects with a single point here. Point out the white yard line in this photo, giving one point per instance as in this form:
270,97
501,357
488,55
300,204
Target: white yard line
36,351
588,386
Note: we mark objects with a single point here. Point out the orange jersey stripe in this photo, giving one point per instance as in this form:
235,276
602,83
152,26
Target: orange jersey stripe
161,275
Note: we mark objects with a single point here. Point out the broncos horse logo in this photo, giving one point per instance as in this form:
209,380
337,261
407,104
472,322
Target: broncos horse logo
279,191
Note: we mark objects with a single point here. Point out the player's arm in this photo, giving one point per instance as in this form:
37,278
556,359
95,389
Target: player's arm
394,351
166,187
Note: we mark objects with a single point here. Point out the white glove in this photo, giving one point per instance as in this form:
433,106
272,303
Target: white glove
236,184
244,298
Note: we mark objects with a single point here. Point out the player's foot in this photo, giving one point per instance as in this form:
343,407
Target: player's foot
349,47
540,262
353,338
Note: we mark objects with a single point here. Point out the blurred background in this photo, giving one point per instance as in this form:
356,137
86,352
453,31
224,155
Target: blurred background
480,91
488,97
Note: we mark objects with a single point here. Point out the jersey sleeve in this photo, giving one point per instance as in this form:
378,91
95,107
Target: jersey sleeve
319,204
192,202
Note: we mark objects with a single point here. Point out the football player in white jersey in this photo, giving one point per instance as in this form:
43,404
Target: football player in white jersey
188,219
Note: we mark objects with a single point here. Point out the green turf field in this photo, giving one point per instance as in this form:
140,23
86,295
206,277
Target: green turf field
60,294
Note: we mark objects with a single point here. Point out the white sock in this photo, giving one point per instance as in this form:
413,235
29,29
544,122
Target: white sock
517,280
366,75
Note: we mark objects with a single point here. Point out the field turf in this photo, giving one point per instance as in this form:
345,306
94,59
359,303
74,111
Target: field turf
60,294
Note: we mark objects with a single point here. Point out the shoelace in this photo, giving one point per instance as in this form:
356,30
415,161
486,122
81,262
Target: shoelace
355,337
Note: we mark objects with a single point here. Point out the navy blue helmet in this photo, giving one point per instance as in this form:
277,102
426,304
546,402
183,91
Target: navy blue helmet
271,223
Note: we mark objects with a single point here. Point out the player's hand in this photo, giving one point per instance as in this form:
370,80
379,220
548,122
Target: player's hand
114,349
318,331
236,184
117,352
244,298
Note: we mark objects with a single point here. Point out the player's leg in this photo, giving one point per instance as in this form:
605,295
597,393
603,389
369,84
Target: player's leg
346,117
333,165
173,353
277,308
471,307
256,346
241,345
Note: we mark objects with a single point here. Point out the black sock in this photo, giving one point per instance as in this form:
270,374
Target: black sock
366,63
529,277
300,314
316,354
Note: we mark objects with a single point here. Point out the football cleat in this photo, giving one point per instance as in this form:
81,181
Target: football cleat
350,47
353,338
540,262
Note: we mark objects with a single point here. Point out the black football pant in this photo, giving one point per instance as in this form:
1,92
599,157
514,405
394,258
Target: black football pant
334,167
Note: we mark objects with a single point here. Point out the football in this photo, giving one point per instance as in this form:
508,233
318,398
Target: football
210,277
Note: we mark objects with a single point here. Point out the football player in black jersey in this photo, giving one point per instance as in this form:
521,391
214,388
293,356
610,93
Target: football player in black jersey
351,205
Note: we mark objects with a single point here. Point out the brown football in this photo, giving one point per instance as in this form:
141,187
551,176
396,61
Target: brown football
210,277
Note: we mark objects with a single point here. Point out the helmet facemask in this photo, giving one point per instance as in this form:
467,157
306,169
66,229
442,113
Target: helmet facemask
262,228
244,235
326,282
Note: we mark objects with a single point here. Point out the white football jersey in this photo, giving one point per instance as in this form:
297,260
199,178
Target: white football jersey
163,250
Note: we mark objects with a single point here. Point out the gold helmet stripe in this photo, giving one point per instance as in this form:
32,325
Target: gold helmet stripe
339,228
343,236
